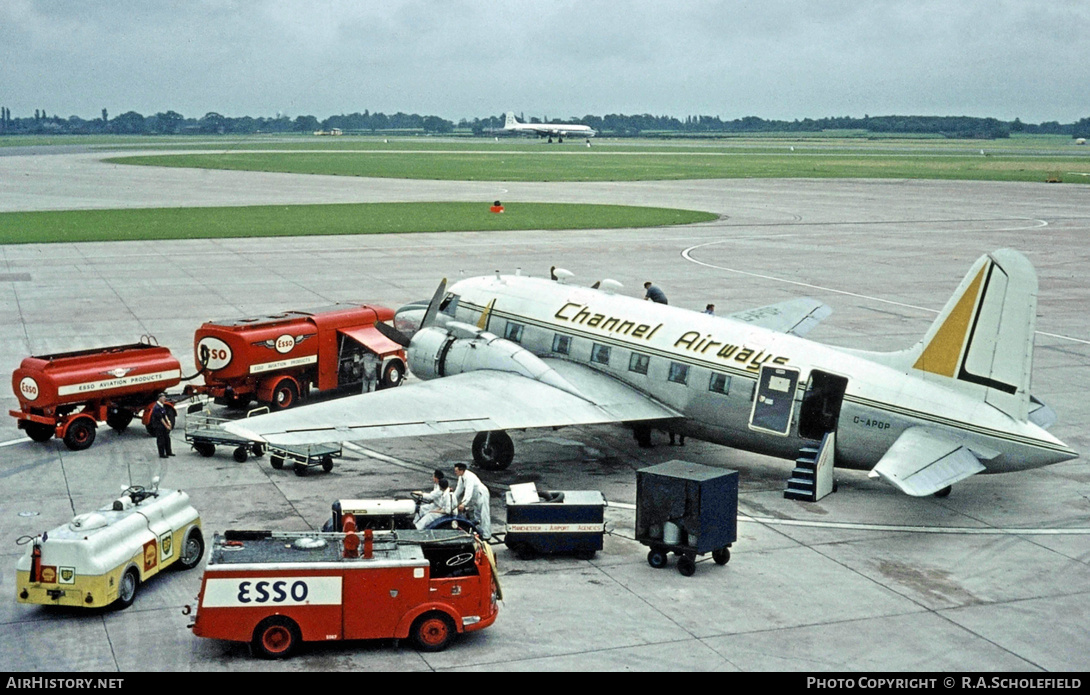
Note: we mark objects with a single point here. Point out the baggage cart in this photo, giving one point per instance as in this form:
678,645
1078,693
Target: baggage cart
687,509
305,456
571,521
204,432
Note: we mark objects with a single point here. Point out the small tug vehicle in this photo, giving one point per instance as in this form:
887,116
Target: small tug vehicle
102,557
67,394
277,359
275,590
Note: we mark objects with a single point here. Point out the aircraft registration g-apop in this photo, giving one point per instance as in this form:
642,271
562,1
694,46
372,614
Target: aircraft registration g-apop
550,130
508,352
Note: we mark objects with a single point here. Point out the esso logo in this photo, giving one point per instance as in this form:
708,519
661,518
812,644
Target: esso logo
28,388
273,592
213,353
284,344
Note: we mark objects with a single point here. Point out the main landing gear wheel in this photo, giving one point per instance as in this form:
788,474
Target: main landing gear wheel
275,638
493,451
945,492
432,632
80,434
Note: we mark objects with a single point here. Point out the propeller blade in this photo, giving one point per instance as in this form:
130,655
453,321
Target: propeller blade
433,306
393,334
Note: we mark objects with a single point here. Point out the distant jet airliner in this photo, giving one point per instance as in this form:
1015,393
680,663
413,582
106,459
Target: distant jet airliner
511,125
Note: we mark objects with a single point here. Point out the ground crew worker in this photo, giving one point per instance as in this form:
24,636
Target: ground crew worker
428,501
473,499
442,505
161,426
654,293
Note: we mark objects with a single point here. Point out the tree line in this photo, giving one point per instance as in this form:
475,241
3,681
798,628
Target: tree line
615,125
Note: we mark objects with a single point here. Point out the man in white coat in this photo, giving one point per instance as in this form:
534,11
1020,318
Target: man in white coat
429,501
442,505
473,499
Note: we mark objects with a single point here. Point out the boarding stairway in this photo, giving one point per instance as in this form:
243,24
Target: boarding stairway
812,478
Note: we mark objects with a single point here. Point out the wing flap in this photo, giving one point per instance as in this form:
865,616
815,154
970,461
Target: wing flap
922,462
795,316
471,402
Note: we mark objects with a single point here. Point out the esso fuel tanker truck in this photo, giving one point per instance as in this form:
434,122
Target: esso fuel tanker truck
277,359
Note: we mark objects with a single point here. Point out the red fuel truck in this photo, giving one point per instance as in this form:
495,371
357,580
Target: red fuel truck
277,359
68,394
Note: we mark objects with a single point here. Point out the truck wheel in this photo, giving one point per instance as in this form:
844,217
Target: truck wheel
493,451
392,375
126,590
80,434
284,395
118,418
432,632
37,431
192,550
276,637
237,401
241,454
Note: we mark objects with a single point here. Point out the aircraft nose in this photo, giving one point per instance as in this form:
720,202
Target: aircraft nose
408,318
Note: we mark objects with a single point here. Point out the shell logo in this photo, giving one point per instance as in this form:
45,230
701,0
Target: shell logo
28,388
284,344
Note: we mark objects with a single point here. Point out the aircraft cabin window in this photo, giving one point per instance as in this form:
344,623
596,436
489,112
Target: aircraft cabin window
513,332
562,344
638,363
599,354
720,383
679,373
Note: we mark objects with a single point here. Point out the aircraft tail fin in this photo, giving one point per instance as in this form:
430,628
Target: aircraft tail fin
983,338
509,120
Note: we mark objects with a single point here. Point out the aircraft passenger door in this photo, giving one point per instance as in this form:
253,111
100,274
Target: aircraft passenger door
820,409
774,402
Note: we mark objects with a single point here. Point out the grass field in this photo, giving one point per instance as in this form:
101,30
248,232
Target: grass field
1017,159
305,220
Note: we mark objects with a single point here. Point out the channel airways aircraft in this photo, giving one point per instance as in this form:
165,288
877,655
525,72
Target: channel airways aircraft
508,352
559,130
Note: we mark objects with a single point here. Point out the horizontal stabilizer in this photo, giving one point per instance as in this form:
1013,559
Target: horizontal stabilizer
475,401
795,316
922,462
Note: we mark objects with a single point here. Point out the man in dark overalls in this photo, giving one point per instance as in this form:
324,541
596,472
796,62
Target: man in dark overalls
161,425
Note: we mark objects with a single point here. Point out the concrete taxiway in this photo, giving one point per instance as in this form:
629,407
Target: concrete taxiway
994,577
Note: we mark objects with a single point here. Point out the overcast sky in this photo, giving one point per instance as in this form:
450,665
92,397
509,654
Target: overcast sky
776,59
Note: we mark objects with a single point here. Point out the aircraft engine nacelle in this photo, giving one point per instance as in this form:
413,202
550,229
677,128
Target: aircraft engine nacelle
437,352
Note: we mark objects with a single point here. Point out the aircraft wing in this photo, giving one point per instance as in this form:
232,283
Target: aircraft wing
922,462
474,401
795,316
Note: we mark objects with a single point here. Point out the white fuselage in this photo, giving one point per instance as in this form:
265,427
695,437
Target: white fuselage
680,351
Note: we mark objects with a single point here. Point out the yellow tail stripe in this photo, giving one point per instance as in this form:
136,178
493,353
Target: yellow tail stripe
942,353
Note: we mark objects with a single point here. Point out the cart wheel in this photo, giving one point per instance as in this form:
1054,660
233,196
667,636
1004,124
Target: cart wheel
721,555
205,449
126,589
275,637
524,551
37,431
258,450
686,565
656,558
585,554
432,632
301,469
327,463
241,454
276,461
80,434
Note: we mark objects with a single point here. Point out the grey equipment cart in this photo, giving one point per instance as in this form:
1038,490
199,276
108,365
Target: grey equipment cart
204,432
305,456
687,509
564,522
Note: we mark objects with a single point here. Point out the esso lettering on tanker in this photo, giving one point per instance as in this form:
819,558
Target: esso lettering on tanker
28,388
285,343
213,353
244,592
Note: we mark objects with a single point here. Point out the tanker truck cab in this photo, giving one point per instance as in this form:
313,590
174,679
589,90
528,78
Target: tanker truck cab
275,590
102,557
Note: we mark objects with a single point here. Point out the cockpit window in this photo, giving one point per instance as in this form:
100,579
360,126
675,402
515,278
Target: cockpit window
449,305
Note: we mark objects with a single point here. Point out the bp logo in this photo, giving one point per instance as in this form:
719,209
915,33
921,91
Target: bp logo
68,575
166,546
28,388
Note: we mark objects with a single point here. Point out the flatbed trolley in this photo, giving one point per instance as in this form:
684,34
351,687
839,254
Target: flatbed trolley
305,457
204,431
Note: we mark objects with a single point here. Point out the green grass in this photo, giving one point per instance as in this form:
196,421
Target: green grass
304,220
1014,160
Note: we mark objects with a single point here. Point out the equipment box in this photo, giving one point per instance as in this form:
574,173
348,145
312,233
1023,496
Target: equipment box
686,509
564,522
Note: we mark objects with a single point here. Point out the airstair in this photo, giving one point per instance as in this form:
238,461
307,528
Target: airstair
812,478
